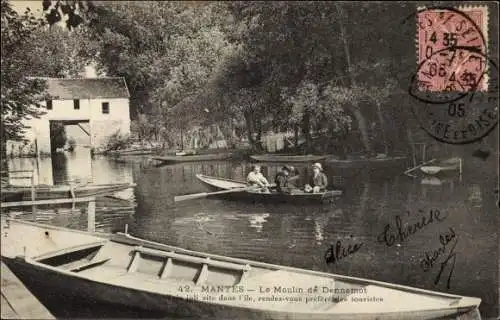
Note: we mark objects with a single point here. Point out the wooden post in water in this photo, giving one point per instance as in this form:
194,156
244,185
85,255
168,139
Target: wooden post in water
73,196
33,195
91,216
460,169
414,155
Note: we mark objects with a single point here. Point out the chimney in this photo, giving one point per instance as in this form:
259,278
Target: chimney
90,72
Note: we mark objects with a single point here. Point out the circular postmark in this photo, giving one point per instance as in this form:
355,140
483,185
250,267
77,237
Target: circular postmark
456,71
451,54
456,101
464,117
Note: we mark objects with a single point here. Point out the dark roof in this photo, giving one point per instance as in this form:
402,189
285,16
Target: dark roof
87,88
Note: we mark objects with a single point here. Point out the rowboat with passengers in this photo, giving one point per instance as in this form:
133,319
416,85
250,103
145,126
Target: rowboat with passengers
244,193
123,270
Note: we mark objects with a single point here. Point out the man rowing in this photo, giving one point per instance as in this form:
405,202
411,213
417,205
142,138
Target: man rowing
257,180
318,182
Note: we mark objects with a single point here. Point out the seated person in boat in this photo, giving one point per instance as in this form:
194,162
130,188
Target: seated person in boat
285,178
281,179
256,179
294,176
318,182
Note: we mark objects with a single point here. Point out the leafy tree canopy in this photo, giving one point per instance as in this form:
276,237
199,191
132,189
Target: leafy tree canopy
20,95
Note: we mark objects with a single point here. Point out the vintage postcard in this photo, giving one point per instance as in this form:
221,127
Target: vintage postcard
249,160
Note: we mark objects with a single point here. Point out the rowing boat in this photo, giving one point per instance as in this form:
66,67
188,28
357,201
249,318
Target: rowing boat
42,192
359,163
130,152
445,166
129,272
286,158
192,158
218,184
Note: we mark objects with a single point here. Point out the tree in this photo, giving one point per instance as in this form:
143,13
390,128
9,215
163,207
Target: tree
293,43
295,56
304,103
68,12
20,95
167,51
57,135
317,108
31,49
143,129
57,52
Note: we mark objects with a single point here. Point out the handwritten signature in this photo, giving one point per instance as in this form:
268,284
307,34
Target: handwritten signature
427,263
403,231
333,255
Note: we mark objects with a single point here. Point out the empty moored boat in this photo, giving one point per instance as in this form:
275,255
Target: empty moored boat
192,158
124,270
363,163
283,158
43,192
445,166
219,184
130,152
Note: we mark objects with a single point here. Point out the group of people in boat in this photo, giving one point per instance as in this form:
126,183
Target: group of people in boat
285,178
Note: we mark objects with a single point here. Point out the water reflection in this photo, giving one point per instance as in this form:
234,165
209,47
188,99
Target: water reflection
42,168
257,221
299,235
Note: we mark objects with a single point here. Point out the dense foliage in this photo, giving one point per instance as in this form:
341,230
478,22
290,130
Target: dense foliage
30,49
19,95
333,74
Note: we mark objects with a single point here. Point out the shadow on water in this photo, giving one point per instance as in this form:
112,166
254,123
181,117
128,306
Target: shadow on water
299,235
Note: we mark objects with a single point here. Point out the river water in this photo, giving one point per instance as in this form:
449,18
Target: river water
299,236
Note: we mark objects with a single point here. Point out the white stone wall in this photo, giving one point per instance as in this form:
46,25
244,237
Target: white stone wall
101,125
104,125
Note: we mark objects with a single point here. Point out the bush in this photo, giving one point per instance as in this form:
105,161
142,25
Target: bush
117,141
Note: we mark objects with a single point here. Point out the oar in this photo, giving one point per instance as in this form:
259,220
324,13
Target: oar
420,165
207,194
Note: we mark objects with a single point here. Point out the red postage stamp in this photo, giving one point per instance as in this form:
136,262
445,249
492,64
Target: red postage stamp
452,49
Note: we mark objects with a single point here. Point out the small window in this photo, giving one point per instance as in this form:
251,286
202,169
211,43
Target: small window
105,107
49,104
76,104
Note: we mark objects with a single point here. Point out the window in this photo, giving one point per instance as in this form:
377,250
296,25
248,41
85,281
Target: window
76,104
105,107
49,104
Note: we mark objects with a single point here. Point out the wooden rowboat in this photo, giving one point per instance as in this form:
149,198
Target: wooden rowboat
387,162
192,158
449,165
123,270
22,193
219,184
130,152
286,158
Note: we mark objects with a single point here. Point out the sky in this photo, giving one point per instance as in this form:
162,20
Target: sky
21,5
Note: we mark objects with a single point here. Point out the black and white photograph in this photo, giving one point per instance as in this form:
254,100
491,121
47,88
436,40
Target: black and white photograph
260,160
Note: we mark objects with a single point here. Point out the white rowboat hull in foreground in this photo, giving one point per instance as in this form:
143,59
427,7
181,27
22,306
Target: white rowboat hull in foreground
121,269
